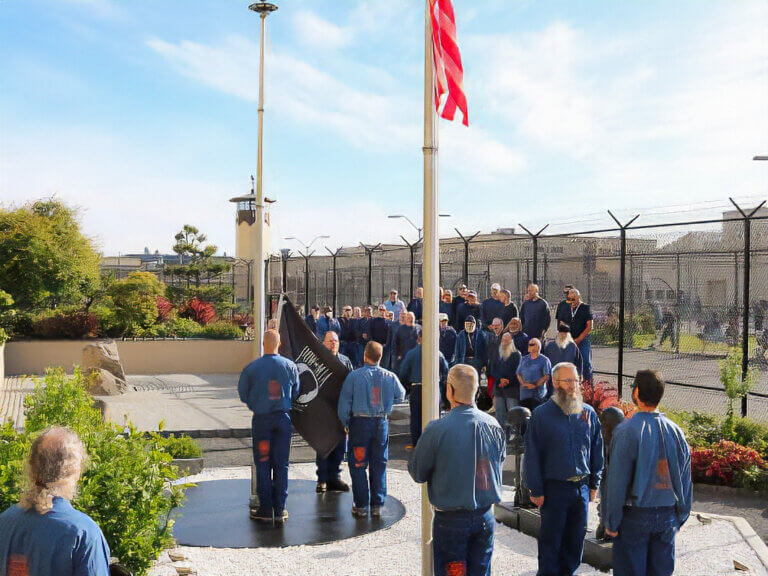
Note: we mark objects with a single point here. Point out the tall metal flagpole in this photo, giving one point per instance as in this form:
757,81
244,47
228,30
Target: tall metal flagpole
430,339
259,297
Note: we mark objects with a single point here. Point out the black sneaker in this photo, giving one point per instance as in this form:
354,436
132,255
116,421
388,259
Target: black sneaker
321,487
281,517
261,515
338,485
376,511
359,512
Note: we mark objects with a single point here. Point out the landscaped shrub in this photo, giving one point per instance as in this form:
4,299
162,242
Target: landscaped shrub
182,328
242,319
752,434
222,331
69,325
701,430
125,488
6,315
726,463
198,310
164,308
135,299
602,395
181,446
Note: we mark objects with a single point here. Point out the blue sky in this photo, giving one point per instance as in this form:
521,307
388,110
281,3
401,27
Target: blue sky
144,113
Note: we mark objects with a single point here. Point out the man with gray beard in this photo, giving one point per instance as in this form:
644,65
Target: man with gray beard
562,468
562,349
506,392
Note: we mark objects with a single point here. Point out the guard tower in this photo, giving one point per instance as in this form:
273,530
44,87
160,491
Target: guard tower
245,222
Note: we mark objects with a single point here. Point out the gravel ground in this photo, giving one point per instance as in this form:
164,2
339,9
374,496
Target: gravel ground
703,549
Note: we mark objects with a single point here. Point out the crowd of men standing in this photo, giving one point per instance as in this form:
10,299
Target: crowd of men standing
647,497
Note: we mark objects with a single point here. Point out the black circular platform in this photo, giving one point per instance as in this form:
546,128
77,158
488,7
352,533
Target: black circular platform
216,514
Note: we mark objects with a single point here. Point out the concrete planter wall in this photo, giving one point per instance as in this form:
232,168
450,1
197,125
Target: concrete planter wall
137,357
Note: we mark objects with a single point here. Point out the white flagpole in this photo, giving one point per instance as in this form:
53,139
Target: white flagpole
431,273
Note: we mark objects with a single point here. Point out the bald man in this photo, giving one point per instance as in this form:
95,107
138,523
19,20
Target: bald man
43,534
268,385
459,457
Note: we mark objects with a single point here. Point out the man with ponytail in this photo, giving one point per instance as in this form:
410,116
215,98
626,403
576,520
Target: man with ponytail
44,535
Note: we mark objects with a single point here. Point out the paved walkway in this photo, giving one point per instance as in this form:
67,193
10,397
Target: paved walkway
706,548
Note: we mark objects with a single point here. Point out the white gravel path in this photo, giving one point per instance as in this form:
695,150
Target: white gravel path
702,549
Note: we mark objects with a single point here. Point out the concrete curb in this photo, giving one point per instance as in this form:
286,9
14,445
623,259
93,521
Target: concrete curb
716,490
748,533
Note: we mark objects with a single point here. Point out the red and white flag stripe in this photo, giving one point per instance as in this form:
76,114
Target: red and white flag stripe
449,73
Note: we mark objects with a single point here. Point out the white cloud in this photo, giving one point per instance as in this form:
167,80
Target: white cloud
317,33
302,93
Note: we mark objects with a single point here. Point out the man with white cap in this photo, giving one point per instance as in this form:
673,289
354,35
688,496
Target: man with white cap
395,305
447,338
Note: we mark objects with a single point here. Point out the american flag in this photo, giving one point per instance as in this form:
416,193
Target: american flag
449,73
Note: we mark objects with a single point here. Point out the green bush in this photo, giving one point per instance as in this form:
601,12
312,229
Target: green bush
701,430
135,300
752,434
182,328
125,488
6,316
754,477
222,331
178,446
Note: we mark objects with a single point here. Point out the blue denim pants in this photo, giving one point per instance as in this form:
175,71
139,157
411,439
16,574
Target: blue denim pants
563,527
646,542
585,348
330,468
367,457
271,451
462,542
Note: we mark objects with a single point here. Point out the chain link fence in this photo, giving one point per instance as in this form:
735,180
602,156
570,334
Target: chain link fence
685,302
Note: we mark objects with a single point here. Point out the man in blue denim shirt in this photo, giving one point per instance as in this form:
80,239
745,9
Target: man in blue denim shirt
268,385
44,535
648,494
562,468
533,373
460,457
410,376
365,402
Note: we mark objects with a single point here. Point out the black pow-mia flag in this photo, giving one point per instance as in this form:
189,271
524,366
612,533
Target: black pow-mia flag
321,376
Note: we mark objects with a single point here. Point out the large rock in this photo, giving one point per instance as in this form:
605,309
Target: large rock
102,361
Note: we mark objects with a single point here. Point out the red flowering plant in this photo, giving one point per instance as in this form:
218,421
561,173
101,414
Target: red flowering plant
602,395
724,463
164,308
198,310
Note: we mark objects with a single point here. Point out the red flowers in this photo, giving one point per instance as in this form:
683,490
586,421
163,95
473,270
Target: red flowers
164,308
602,395
723,462
200,311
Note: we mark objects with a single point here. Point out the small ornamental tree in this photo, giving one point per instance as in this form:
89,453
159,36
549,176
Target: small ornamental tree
135,300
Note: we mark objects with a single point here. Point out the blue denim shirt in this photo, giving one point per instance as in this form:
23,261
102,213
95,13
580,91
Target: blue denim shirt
460,456
560,446
62,542
325,324
369,391
532,370
269,384
535,316
646,472
410,369
397,307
